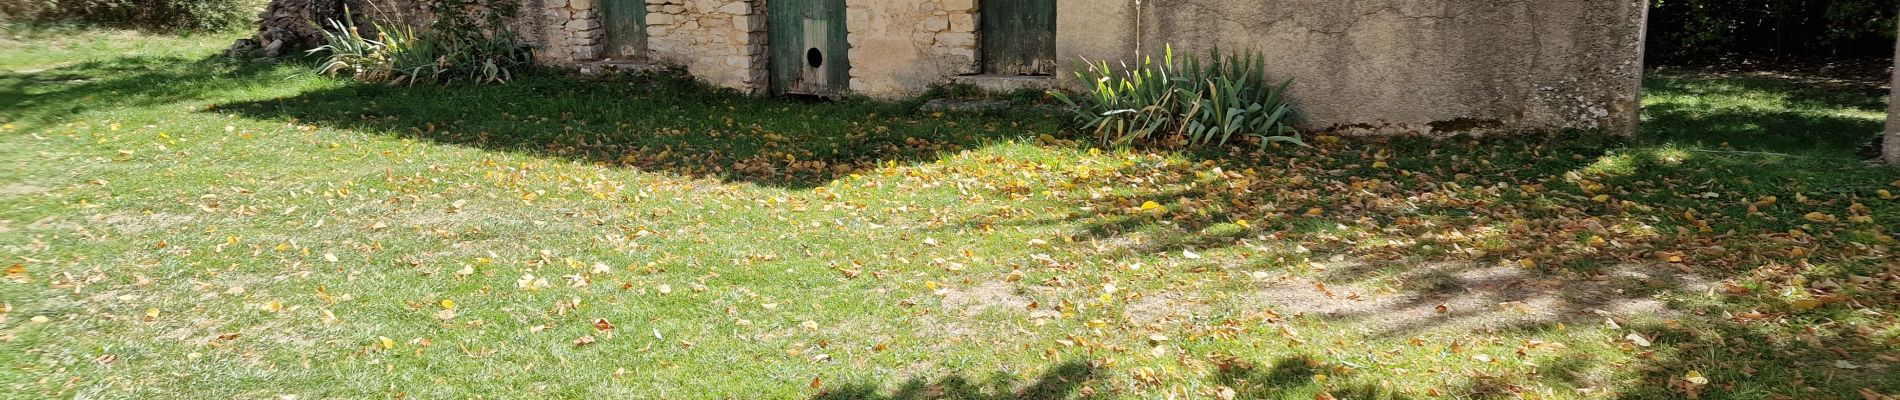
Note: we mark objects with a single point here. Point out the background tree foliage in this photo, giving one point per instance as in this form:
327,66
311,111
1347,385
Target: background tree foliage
1710,31
167,15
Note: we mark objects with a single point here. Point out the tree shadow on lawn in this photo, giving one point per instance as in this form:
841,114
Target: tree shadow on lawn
1798,91
1524,233
657,122
1762,113
1295,377
45,97
1062,381
1290,376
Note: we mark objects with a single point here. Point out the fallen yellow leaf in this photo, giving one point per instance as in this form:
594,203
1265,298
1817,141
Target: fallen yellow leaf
1804,304
1695,377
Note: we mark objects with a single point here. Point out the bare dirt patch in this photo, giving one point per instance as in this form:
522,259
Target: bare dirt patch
21,189
1464,296
134,223
1162,308
986,296
963,305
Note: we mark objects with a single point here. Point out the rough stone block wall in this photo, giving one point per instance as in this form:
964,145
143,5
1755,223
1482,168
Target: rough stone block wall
572,30
1385,66
719,41
1364,66
902,47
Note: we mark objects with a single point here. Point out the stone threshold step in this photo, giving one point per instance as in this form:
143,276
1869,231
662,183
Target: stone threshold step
608,66
1004,84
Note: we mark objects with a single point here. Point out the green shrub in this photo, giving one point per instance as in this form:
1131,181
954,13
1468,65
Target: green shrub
1722,32
401,55
170,15
1187,102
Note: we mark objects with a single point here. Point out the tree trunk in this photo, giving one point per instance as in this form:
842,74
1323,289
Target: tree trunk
1892,148
290,27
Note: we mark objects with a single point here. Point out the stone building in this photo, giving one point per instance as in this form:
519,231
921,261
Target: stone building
1359,65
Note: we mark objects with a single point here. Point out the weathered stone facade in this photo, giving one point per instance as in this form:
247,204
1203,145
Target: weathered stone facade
720,41
902,47
1366,66
1386,66
1370,66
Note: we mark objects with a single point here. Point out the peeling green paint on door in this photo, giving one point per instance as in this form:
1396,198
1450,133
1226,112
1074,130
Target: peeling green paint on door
625,22
808,46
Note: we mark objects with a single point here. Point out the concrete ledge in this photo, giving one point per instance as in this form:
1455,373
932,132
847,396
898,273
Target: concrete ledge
1002,84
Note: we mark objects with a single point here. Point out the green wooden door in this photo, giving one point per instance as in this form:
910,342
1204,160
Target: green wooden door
1019,37
808,44
626,24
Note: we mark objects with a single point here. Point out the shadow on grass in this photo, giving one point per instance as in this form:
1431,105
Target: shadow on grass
1526,234
1062,381
1763,113
1289,377
43,97
655,122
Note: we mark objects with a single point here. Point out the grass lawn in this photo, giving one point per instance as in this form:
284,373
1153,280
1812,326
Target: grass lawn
174,226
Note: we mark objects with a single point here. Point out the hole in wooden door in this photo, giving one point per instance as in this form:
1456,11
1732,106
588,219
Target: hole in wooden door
814,58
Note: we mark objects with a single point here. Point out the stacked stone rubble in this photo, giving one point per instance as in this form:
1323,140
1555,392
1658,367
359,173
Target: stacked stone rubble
574,31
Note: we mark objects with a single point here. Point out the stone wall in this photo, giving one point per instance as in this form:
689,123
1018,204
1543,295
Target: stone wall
719,41
571,31
902,47
1386,66
1368,66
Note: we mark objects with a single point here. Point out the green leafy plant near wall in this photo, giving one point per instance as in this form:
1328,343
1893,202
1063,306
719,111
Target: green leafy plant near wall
468,42
1185,101
1720,32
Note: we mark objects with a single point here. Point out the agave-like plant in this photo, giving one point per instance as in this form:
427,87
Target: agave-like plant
401,55
349,53
1201,104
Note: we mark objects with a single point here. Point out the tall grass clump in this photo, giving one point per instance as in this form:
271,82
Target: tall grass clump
1184,101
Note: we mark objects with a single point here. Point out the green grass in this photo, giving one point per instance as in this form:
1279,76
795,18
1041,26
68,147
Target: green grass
1764,112
32,46
179,227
